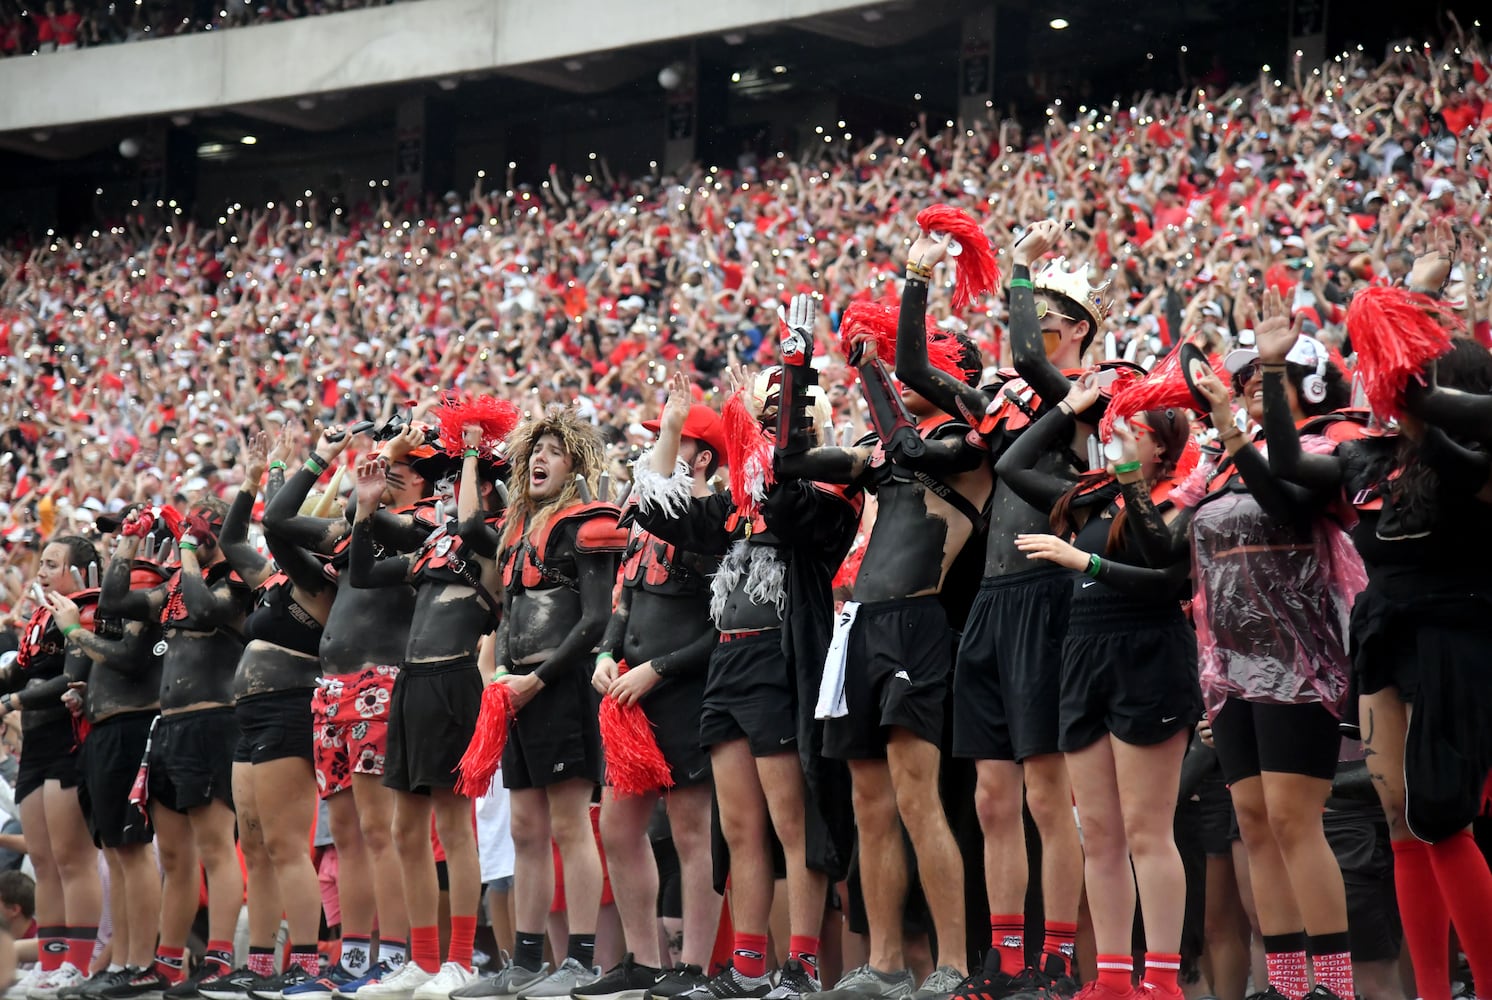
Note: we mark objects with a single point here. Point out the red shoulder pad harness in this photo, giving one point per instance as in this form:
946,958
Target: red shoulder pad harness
32,642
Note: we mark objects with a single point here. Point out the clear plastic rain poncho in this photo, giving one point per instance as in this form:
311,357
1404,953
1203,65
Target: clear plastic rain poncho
1272,603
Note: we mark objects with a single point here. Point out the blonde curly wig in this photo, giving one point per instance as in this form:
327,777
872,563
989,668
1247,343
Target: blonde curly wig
579,439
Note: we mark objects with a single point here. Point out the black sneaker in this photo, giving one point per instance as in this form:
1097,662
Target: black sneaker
728,984
271,988
793,981
1319,992
624,981
1031,984
232,985
95,983
187,988
1059,979
677,981
141,983
1268,993
987,983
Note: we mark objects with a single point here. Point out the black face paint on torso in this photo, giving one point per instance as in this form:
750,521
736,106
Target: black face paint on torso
199,668
129,679
660,624
367,626
904,554
448,620
1011,516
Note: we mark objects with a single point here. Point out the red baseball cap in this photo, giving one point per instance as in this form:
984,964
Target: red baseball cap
702,424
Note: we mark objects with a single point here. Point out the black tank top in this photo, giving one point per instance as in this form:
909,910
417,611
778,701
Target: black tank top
279,620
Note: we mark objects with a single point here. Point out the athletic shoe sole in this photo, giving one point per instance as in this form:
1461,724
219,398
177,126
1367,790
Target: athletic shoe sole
639,993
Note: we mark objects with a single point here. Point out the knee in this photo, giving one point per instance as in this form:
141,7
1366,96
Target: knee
1104,840
285,848
174,860
1150,837
743,825
1295,825
572,832
620,834
347,832
997,803
530,834
1253,820
377,833
1050,804
411,836
921,807
217,854
875,810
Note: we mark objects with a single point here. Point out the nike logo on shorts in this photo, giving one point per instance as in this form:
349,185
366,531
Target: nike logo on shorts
902,675
786,740
1089,584
697,774
1169,720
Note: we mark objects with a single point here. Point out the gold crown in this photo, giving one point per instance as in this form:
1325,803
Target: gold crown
1055,277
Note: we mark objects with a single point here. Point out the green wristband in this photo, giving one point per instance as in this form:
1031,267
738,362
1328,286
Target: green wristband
604,656
1095,564
1021,283
471,453
1123,467
276,465
314,464
70,630
185,547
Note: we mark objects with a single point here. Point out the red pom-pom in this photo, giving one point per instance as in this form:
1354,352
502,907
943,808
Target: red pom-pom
496,417
849,570
748,451
634,764
1395,333
976,270
484,755
1164,388
879,320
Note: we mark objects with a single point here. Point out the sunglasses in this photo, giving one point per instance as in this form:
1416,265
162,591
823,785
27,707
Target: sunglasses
1244,375
1044,309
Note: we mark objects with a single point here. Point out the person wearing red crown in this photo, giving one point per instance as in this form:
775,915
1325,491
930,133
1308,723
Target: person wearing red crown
1006,680
558,552
661,627
202,609
437,691
69,898
364,639
119,673
771,602
889,670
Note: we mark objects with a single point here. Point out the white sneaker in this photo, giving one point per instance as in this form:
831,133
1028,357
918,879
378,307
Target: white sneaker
30,978
62,977
450,977
400,986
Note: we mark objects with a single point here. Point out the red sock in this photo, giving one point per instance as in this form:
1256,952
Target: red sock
1007,934
463,933
51,947
1466,886
1427,923
261,962
80,941
1285,956
1061,942
307,958
1331,960
1161,970
749,954
424,947
1116,973
171,963
806,950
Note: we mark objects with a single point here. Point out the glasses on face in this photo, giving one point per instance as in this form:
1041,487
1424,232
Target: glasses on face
1044,309
1244,375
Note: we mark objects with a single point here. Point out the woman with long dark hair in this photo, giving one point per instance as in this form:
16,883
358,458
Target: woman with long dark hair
1129,694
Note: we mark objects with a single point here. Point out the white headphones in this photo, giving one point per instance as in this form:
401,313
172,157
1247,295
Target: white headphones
1313,386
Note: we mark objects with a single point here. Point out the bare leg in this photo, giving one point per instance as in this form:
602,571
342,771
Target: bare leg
914,767
290,783
743,820
634,872
782,781
883,864
689,819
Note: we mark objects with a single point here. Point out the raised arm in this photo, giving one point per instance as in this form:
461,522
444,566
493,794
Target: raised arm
282,511
363,567
1466,414
949,394
115,592
1017,467
246,561
1027,345
1274,336
207,606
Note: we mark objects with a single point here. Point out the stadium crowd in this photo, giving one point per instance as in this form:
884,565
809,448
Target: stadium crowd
485,383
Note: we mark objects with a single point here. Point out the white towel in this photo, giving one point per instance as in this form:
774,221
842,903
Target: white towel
831,703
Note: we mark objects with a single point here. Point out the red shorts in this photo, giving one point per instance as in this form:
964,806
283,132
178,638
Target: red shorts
351,714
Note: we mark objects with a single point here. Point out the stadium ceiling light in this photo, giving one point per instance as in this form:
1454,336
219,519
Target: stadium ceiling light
249,140
1057,23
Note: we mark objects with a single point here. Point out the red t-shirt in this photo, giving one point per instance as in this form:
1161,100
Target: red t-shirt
46,30
66,25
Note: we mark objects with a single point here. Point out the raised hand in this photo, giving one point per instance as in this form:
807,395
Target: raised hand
334,441
255,460
284,445
1275,335
797,344
928,249
1219,397
1083,394
680,401
1036,242
1434,266
372,481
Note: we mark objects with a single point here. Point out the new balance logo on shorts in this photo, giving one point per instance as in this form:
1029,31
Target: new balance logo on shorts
559,767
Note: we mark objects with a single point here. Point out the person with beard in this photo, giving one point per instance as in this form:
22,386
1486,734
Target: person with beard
887,681
361,645
559,552
437,691
119,675
660,627
69,898
190,792
1006,681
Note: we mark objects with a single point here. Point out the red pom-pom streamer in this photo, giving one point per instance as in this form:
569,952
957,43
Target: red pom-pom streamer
634,764
879,320
496,417
484,755
1395,333
1164,388
748,450
976,270
175,520
849,570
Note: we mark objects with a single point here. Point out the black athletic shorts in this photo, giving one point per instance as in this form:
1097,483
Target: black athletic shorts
1359,839
897,666
1255,736
1007,681
108,764
432,715
49,752
191,759
1210,812
1128,673
557,736
274,726
674,701
749,695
